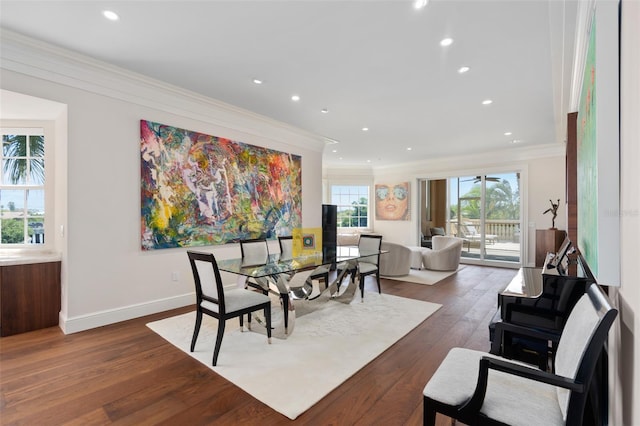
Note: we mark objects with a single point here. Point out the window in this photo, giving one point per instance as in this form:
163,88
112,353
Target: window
485,212
353,205
22,187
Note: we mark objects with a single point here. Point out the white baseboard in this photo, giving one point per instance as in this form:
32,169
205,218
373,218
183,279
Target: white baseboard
99,319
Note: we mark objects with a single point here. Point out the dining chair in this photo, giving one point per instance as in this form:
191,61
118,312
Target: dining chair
479,388
444,254
222,303
320,273
256,252
369,265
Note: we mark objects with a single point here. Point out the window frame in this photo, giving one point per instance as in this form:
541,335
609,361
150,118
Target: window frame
359,193
15,127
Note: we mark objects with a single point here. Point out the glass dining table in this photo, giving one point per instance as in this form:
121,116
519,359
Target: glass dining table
276,274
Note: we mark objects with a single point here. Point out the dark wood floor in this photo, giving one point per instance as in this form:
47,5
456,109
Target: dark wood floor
126,374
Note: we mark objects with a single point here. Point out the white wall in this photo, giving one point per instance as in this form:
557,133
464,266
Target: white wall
106,276
542,178
547,181
624,342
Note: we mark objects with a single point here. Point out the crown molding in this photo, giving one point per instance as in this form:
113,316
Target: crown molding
584,17
40,59
482,160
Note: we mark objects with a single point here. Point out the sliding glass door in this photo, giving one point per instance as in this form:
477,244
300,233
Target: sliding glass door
485,212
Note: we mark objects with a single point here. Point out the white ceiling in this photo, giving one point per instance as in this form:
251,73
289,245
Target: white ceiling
375,64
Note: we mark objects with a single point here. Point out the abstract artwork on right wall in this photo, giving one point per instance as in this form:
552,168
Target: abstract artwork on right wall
598,147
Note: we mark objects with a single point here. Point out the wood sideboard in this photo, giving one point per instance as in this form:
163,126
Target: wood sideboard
29,297
547,241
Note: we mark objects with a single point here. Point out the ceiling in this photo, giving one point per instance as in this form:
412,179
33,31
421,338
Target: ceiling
371,64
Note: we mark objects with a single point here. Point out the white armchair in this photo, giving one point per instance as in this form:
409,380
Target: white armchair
480,388
396,262
444,254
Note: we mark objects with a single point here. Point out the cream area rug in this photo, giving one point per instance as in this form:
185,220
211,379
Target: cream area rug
330,344
424,276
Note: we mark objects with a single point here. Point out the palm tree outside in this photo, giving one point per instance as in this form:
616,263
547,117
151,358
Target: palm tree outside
23,162
22,191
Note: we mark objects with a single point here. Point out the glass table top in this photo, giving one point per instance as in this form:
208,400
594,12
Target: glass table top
274,264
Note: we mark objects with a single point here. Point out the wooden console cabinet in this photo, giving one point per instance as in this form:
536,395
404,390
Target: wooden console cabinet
547,241
29,297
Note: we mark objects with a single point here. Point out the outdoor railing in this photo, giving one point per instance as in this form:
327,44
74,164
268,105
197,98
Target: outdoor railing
505,230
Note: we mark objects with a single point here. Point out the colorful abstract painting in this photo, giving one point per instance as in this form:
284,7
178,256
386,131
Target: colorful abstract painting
200,190
587,161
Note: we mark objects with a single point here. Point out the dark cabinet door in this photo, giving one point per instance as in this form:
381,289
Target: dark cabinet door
29,297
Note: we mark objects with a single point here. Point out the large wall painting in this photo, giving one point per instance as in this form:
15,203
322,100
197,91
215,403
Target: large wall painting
199,190
587,160
598,146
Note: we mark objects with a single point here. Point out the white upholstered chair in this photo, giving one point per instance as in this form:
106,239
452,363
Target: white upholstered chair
479,388
444,254
367,265
222,303
256,252
396,262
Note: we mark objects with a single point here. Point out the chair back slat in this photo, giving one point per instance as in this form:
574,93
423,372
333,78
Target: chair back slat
206,276
254,252
207,279
370,243
582,341
286,247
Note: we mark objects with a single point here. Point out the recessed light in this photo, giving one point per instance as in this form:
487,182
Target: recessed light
462,70
110,15
507,133
515,141
295,98
446,42
368,161
257,81
339,158
420,4
324,110
335,150
409,148
487,102
365,129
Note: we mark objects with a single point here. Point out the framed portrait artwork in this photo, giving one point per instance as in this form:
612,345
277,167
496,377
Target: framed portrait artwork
392,201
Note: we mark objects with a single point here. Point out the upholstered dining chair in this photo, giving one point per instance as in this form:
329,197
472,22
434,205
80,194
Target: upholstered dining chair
222,303
255,252
369,265
479,388
302,290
